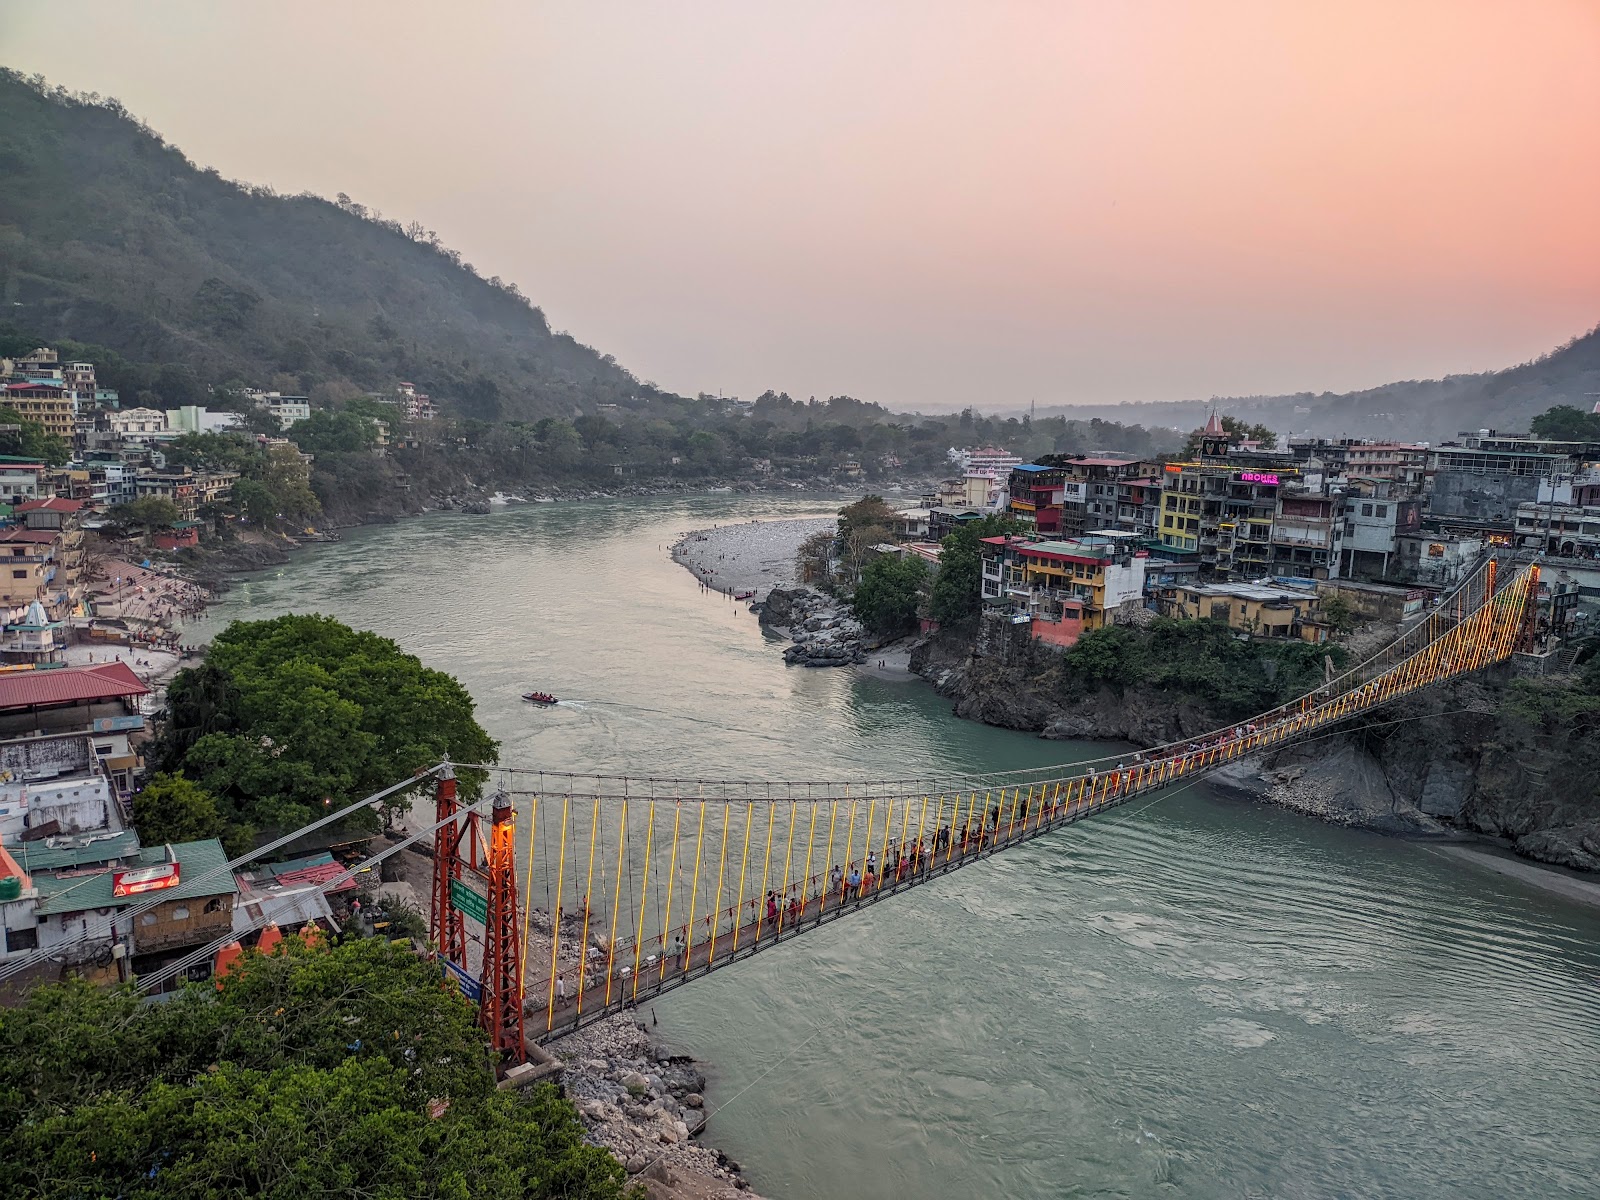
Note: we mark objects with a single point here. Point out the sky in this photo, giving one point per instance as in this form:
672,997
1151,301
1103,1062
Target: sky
929,204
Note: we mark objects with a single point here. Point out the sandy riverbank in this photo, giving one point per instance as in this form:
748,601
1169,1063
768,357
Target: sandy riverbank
1550,879
753,556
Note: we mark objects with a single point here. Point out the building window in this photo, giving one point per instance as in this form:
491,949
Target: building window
148,919
19,574
1383,510
1366,510
180,913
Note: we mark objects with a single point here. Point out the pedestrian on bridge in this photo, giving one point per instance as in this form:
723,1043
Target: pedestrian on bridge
855,881
835,879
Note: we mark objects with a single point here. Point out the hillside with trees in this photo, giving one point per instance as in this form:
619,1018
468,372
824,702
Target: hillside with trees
1430,409
110,236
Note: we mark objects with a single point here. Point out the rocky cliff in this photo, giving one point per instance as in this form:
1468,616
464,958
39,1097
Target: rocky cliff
1484,755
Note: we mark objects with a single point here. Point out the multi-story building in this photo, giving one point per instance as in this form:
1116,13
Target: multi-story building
1374,520
32,572
417,406
986,460
1064,586
1478,482
1562,530
20,479
1223,513
192,418
48,404
1139,506
1404,463
57,514
1308,534
1435,559
139,425
1072,494
176,486
79,377
287,409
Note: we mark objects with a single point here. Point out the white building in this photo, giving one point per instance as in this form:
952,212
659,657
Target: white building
986,460
287,409
139,424
192,418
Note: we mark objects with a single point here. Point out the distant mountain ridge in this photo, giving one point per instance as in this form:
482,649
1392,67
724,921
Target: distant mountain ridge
1431,410
110,236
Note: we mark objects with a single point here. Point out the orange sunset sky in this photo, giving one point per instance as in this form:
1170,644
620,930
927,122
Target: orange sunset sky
930,204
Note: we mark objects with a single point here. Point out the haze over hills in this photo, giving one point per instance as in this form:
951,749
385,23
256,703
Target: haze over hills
1429,409
110,236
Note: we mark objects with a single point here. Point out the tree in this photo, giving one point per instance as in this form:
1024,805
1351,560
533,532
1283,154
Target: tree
255,501
1564,423
957,595
325,432
866,523
309,712
814,562
886,599
30,440
284,474
147,513
309,1072
174,809
1339,613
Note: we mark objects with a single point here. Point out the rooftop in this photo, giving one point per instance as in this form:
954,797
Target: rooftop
76,850
54,504
1249,591
69,685
75,891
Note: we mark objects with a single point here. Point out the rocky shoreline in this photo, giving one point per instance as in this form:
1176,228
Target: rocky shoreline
646,1105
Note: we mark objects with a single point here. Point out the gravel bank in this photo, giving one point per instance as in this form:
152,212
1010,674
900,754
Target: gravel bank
754,556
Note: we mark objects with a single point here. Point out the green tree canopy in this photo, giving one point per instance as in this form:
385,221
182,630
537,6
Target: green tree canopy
886,599
325,432
957,595
310,1073
147,513
1564,423
31,440
171,808
289,713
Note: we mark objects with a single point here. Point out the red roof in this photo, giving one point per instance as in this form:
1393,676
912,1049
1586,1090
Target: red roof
317,875
53,504
29,387
69,685
30,535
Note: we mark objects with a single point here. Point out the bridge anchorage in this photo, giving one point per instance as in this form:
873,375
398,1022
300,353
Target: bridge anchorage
654,883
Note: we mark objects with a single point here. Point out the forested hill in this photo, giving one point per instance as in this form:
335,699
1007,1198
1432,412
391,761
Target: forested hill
1428,408
110,236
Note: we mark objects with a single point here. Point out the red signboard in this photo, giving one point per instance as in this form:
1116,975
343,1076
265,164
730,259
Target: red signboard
145,879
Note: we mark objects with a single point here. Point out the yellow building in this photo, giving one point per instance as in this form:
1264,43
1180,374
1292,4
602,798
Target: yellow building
49,404
1275,612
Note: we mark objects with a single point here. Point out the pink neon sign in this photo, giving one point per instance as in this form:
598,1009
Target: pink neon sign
1257,477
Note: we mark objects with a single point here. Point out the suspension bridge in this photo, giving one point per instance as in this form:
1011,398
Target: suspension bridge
650,884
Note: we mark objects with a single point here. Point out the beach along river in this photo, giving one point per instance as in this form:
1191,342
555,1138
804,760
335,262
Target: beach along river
1189,997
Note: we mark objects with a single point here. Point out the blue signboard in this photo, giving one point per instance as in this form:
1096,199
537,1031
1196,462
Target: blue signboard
470,987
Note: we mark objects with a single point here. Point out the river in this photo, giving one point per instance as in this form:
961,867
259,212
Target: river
1189,997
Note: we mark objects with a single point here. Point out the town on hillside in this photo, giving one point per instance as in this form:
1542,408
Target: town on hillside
94,505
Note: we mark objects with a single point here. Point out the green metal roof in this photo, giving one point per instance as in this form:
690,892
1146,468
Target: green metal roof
87,850
75,891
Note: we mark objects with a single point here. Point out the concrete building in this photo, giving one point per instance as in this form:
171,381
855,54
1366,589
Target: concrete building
1376,601
32,638
192,418
48,404
20,479
1436,560
1065,586
1308,531
1223,513
1260,610
55,785
1067,495
139,425
1374,522
288,410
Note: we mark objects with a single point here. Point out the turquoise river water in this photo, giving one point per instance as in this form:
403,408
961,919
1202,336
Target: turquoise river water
1189,997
